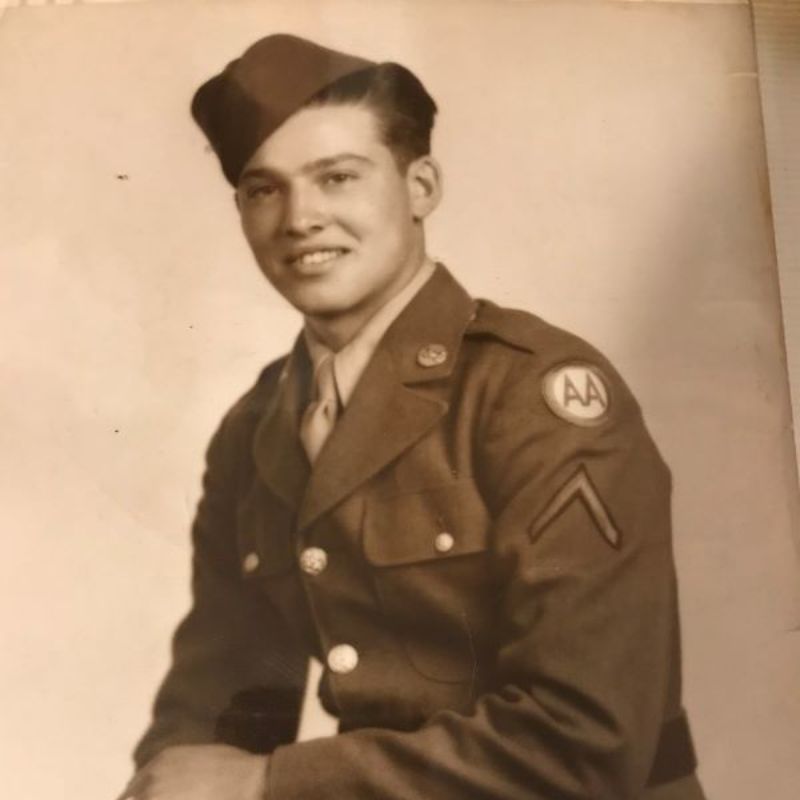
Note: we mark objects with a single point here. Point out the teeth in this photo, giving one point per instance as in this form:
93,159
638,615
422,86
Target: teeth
318,256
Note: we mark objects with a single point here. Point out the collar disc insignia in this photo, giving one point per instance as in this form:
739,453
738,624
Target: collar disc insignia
432,355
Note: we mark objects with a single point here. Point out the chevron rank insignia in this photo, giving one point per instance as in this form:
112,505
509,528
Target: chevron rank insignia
578,393
579,488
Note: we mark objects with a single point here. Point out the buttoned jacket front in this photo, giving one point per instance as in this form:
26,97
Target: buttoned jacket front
490,581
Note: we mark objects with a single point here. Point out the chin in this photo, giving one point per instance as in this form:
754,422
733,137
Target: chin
319,303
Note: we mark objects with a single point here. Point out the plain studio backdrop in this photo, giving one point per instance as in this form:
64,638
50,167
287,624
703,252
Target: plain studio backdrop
604,167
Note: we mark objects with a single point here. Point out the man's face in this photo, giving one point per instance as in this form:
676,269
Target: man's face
333,223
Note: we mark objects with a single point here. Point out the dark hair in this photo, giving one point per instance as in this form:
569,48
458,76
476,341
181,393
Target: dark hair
404,109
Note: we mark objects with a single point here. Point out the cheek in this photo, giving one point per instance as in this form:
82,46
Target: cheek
259,227
384,218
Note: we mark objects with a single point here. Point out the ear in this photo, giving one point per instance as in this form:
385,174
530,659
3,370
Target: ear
424,181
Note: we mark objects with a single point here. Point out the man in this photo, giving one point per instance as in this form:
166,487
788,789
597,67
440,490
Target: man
455,507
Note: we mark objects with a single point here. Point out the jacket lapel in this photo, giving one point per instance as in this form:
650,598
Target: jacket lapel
390,408
278,454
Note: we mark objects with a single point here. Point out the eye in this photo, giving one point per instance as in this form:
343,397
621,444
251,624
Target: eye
260,190
338,178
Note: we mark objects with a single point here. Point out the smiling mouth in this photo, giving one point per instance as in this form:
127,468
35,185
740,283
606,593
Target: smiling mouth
316,257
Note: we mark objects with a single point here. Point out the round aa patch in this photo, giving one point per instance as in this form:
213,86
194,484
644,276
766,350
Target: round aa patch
578,393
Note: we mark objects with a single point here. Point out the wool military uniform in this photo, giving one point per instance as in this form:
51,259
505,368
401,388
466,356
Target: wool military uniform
481,557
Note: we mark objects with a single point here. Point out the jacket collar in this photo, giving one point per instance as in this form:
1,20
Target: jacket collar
437,316
389,410
277,451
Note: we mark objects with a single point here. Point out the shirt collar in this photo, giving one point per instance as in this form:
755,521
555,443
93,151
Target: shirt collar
350,362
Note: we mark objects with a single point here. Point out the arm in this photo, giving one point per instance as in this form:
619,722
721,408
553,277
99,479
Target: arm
232,639
586,626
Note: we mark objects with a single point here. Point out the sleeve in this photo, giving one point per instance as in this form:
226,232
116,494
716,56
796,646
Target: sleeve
231,640
586,624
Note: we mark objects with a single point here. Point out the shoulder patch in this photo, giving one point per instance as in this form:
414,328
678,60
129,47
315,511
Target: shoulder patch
578,392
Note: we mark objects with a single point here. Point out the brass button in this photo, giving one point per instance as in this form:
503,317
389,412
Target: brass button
432,355
313,560
444,542
342,659
251,562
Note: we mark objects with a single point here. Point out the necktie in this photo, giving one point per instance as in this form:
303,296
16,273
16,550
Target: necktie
320,415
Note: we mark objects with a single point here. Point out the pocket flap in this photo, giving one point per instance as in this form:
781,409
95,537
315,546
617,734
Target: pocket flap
432,525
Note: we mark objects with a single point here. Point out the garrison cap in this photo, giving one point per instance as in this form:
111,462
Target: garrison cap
255,94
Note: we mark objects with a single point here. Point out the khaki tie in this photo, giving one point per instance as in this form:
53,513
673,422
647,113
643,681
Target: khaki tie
320,415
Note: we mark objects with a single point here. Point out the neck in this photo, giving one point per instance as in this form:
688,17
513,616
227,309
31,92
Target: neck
339,330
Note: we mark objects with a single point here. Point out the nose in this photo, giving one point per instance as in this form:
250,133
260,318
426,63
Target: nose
303,212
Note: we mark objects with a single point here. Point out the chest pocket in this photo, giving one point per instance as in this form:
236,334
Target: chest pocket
430,562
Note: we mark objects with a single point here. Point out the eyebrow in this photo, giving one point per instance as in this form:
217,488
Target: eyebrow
311,166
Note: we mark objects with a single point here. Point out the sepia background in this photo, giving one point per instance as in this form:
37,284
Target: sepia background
604,167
